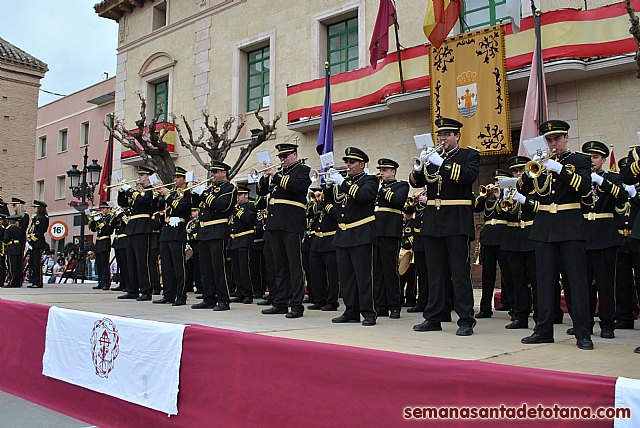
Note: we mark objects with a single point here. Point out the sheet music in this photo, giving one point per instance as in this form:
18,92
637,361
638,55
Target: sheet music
423,140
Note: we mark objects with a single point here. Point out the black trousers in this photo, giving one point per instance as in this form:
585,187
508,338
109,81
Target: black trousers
153,269
15,270
408,283
490,255
570,258
102,268
355,265
523,274
451,251
3,269
258,269
213,271
601,274
241,272
139,278
306,269
324,277
173,270
192,272
387,291
287,259
420,260
35,266
121,259
271,270
627,285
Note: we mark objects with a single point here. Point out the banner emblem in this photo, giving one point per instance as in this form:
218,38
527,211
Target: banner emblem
105,346
467,92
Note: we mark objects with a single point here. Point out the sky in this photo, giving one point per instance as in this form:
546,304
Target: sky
77,45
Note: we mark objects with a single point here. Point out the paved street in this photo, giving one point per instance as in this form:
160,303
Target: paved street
19,413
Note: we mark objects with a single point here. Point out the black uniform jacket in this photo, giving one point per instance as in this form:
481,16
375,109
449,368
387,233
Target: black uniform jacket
287,192
216,206
354,205
37,229
631,175
12,240
495,220
519,223
176,204
103,227
243,224
409,235
449,210
602,228
325,225
624,220
557,207
391,198
141,205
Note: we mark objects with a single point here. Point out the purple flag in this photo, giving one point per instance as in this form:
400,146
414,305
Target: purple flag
325,136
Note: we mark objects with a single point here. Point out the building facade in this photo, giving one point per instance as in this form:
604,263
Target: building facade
20,75
64,129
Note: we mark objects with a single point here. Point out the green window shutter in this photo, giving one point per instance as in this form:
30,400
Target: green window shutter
342,45
259,65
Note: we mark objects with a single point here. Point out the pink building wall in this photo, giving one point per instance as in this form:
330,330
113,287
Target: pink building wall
70,113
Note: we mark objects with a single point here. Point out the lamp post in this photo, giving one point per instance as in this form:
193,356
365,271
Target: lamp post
82,184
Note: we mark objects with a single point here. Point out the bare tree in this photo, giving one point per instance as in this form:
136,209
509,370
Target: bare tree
149,144
635,31
217,145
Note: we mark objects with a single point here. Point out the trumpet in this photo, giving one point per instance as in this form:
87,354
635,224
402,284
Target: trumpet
193,186
421,162
507,204
157,186
314,174
413,199
484,190
256,173
314,196
535,168
105,187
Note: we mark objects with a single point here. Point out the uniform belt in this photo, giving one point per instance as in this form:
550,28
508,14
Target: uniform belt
237,235
15,241
389,210
311,233
494,221
287,202
103,237
323,234
212,222
624,232
122,235
133,217
521,223
180,220
346,226
259,240
554,208
440,202
596,216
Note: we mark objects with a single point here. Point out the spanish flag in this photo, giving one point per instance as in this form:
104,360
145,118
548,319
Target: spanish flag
613,167
440,18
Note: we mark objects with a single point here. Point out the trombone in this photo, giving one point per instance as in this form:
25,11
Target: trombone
421,162
105,187
534,169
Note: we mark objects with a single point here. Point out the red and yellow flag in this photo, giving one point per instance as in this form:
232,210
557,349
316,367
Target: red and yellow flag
613,166
440,18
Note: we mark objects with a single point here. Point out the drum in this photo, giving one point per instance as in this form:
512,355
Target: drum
404,261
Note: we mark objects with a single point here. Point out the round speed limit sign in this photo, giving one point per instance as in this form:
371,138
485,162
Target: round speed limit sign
58,230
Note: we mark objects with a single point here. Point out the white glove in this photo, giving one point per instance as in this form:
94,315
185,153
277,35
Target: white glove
537,157
97,217
174,221
29,247
598,179
435,158
417,168
198,189
552,165
336,178
125,187
631,190
423,155
519,197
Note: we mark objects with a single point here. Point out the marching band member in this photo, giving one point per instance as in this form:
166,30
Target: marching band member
559,231
13,249
119,224
173,237
392,195
243,223
491,238
603,238
286,224
17,206
138,230
192,265
36,242
216,203
157,221
259,268
448,226
354,205
408,279
101,223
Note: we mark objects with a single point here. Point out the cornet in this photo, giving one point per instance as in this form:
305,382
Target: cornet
421,162
105,187
534,169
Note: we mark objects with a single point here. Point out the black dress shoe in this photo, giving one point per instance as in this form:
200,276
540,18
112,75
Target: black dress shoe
330,307
515,324
585,344
368,322
119,288
394,314
503,308
607,333
236,300
536,338
144,297
179,302
637,350
571,331
624,325
343,319
307,300
484,314
221,306
163,301
427,326
315,307
416,308
273,310
294,314
128,296
97,287
464,330
247,300
203,305
263,303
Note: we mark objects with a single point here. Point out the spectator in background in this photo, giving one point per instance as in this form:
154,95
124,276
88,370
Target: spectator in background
58,269
90,267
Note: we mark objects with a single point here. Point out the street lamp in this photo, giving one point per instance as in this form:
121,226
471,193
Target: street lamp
83,189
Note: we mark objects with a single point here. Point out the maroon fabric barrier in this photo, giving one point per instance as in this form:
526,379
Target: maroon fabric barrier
234,379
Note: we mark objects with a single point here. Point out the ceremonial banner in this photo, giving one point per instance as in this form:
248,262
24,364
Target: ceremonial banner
468,83
134,360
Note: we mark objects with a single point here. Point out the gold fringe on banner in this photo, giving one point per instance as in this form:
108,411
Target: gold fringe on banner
469,84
